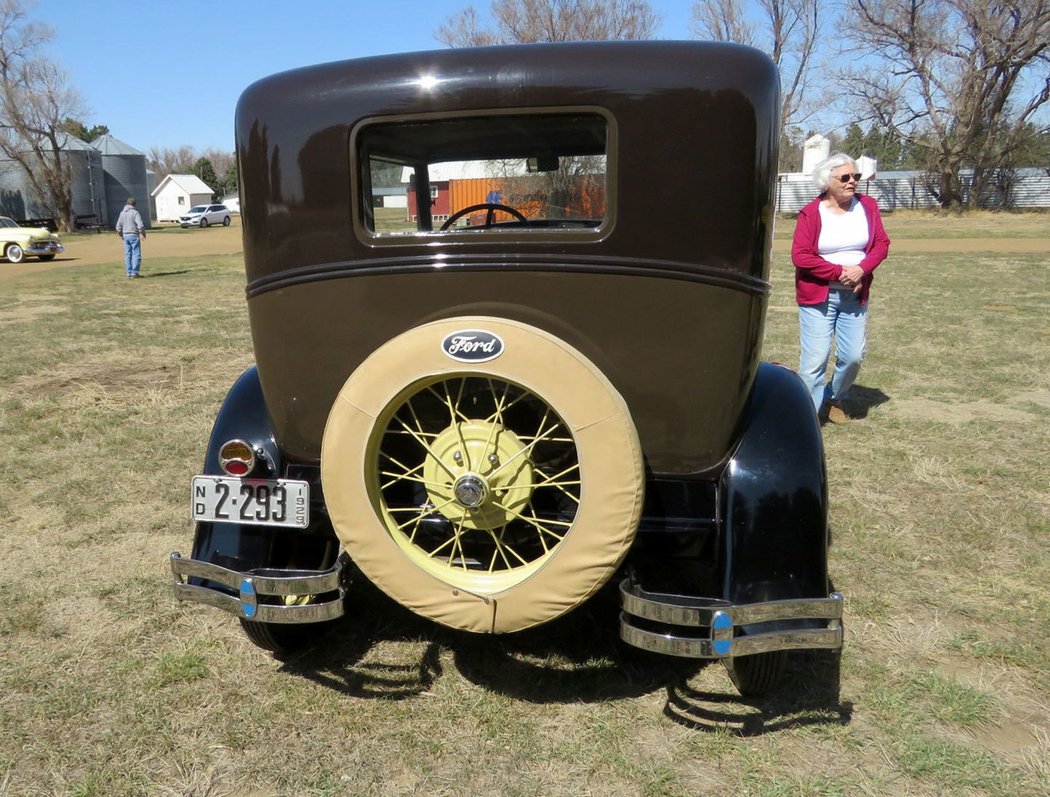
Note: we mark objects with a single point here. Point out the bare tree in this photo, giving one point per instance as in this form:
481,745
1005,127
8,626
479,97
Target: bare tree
962,80
34,104
527,21
164,160
223,162
787,30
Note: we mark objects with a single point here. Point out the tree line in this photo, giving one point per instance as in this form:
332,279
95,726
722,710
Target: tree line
937,85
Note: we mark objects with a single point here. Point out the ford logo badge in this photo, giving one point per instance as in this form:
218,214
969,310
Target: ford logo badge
472,345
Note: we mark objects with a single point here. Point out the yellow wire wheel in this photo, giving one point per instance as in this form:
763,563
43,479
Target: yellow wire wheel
491,484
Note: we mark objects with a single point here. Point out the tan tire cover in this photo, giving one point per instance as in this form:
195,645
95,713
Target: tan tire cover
610,467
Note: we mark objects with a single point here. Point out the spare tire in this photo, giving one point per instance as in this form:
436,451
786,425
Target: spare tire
483,473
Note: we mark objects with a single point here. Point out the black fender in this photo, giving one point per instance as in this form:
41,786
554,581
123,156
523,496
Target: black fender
773,496
244,416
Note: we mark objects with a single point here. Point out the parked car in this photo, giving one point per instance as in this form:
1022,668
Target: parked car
18,242
495,422
205,215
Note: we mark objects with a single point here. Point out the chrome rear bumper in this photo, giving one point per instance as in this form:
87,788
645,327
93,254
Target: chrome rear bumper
287,586
675,624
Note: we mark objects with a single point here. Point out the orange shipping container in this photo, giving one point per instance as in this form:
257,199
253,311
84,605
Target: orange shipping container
589,201
471,191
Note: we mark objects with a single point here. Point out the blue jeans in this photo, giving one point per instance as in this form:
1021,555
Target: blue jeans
844,319
132,254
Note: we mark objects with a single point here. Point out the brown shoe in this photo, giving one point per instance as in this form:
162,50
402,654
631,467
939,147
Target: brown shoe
836,414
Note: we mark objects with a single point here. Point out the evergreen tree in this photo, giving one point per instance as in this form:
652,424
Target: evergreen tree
77,129
204,170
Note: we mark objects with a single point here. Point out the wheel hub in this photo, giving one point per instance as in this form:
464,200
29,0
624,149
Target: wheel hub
478,474
471,490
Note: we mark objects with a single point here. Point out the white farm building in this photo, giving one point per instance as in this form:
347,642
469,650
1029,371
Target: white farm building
177,193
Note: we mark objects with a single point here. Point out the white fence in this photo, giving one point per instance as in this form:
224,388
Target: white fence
1028,189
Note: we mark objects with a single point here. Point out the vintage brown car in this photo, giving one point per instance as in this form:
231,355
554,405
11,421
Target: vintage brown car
507,307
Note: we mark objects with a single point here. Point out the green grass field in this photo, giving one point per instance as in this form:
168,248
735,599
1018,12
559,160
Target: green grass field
940,513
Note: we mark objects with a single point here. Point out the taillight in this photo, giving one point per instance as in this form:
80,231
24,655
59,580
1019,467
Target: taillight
236,458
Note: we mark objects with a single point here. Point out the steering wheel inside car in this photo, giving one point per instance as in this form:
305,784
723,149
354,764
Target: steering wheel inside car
490,207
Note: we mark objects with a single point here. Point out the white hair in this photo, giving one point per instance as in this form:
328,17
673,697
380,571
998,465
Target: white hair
822,171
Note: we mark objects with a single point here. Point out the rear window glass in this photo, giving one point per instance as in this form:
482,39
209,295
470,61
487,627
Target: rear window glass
483,174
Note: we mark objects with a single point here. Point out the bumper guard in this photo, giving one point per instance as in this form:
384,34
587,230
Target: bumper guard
723,620
287,585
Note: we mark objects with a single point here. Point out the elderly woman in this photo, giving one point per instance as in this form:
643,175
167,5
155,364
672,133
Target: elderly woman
839,241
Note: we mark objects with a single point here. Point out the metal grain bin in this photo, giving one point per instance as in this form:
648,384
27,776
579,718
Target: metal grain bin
125,176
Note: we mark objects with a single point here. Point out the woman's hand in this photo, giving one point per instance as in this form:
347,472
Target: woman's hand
851,277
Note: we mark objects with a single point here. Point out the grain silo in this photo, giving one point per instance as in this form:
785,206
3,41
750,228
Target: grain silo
88,184
20,199
125,176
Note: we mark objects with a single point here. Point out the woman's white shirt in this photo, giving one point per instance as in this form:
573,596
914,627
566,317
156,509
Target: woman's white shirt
843,236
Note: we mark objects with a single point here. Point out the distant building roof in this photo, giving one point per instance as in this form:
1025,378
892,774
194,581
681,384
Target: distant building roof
466,170
108,145
190,183
68,142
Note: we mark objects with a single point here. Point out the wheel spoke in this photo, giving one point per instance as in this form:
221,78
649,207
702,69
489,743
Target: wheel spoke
407,474
526,438
526,449
501,549
424,435
424,511
406,478
415,417
426,447
457,545
404,468
560,484
444,402
532,520
453,413
497,416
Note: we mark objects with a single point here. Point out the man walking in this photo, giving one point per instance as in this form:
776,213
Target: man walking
131,229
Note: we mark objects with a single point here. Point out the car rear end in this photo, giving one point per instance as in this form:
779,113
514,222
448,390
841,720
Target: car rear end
507,335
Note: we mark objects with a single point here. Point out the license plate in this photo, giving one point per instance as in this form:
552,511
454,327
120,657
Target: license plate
256,502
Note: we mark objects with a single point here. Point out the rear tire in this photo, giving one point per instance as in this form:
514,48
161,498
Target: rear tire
757,675
226,221
278,637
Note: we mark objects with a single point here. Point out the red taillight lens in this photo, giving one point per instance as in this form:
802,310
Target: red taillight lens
236,458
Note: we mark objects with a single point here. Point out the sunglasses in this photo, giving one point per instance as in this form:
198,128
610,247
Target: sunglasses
845,178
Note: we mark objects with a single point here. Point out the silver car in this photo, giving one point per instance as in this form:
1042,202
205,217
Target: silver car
205,215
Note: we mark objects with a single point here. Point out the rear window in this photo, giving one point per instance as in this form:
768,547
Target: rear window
483,175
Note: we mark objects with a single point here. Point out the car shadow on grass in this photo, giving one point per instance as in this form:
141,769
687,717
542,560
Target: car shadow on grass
380,650
808,694
576,658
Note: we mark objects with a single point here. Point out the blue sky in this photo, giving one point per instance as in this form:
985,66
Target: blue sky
167,73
